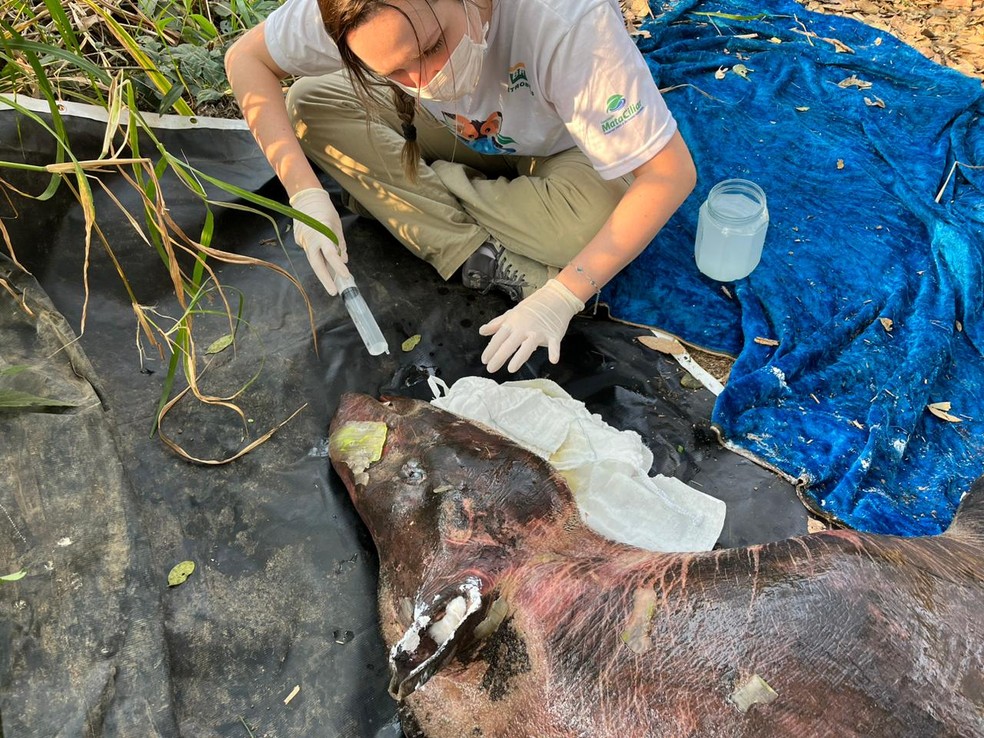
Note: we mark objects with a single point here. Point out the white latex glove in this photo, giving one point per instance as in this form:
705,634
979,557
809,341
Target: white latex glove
325,257
539,320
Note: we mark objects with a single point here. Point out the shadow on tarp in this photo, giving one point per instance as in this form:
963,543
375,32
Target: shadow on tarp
93,642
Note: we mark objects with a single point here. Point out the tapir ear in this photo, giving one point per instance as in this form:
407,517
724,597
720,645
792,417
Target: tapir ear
439,628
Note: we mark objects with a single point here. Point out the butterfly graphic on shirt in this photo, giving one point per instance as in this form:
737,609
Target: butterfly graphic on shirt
482,136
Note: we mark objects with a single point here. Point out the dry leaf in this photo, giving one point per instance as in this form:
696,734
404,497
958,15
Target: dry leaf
636,9
766,341
803,108
939,409
959,327
775,40
839,46
840,163
857,425
815,526
727,292
887,324
876,103
853,81
719,74
664,345
741,70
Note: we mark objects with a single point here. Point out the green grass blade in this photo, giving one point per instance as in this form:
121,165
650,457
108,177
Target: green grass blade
65,28
171,98
138,55
93,71
17,401
60,154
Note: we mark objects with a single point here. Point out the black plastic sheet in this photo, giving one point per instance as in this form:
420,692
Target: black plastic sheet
97,509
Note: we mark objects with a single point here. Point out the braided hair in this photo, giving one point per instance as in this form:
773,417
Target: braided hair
342,16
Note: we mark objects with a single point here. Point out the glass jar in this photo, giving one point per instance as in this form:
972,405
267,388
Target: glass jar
731,229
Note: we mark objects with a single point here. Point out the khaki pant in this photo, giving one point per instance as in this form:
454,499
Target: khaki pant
546,208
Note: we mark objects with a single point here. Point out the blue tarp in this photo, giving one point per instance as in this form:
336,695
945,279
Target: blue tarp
871,275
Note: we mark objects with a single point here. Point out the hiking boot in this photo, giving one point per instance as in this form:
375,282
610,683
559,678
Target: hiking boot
492,266
354,206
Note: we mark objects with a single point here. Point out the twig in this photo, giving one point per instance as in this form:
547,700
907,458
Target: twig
805,32
664,90
246,725
21,299
950,176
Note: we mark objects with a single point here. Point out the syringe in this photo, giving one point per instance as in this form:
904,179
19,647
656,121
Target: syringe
369,331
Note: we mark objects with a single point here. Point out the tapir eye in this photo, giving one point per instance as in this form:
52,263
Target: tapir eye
412,472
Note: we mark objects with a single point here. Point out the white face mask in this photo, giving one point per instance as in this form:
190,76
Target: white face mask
459,75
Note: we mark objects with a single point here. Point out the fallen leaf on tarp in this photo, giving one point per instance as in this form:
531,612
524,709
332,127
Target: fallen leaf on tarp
775,40
803,108
727,292
220,344
857,425
959,327
839,46
876,103
766,341
887,324
741,70
853,81
940,410
689,381
180,573
815,526
410,343
16,400
634,12
840,163
636,9
664,345
719,74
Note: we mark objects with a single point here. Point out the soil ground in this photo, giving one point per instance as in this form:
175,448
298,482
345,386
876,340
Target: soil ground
950,32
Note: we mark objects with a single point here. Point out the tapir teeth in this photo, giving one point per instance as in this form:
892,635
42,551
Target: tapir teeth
427,643
454,615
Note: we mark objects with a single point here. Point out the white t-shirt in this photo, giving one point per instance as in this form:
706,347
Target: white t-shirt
557,74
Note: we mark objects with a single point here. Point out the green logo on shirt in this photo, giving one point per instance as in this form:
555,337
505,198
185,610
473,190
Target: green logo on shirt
615,103
620,112
518,79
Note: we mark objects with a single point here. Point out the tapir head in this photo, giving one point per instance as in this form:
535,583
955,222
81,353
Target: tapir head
449,506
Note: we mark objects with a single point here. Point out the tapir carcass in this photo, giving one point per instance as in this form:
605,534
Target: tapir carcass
507,618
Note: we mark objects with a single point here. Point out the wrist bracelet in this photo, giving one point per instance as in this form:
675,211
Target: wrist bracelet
580,270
